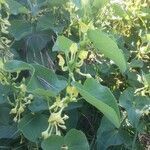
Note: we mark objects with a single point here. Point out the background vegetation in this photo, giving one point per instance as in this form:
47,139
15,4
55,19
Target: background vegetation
74,74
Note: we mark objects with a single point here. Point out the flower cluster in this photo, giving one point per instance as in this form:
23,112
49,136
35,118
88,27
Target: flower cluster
74,61
57,118
21,100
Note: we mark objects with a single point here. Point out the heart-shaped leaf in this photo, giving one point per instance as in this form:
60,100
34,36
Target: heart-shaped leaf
73,140
146,79
15,8
38,104
36,42
4,90
134,105
100,4
108,135
32,125
19,29
49,21
45,82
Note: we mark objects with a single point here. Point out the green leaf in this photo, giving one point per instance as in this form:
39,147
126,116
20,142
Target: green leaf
4,90
147,79
118,10
130,103
100,3
19,29
102,98
85,5
62,44
5,117
73,140
76,140
38,104
73,119
54,142
108,47
45,22
135,63
133,79
32,126
8,132
45,82
8,128
57,2
17,66
36,42
49,21
15,8
108,135
134,105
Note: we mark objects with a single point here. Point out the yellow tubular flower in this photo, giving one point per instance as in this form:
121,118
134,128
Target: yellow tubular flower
55,118
83,27
83,54
61,60
83,74
62,63
72,91
23,88
73,48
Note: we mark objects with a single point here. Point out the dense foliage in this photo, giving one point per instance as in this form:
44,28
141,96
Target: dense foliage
74,74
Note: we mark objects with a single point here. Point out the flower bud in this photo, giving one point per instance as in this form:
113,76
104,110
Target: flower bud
13,111
65,117
30,96
23,87
21,109
15,119
45,134
73,48
61,60
62,126
83,54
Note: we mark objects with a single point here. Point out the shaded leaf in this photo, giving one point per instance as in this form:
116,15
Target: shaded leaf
19,29
49,21
36,42
136,63
73,140
32,126
45,82
38,104
8,128
4,90
15,7
57,3
54,143
8,132
100,3
147,79
76,140
126,101
108,135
